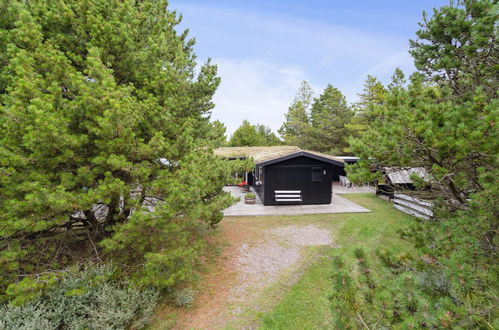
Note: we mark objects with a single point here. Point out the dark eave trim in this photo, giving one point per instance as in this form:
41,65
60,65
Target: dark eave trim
298,154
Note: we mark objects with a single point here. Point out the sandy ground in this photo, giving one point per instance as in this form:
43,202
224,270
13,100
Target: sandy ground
257,259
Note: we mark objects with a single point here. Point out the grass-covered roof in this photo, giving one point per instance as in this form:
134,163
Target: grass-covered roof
264,154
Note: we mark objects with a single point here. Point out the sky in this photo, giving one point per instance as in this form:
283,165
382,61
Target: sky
264,49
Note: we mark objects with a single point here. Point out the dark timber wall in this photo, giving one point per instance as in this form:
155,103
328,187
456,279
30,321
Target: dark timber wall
312,177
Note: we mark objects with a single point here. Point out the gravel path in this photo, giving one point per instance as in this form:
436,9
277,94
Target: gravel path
260,265
303,236
259,260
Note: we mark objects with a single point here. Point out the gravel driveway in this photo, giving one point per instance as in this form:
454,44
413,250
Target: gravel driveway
260,265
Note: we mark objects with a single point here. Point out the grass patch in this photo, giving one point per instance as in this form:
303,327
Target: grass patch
306,304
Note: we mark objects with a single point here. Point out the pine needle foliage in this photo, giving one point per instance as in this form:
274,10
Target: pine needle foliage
320,124
105,140
441,119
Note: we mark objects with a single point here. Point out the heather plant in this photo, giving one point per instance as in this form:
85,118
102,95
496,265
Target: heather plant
87,299
184,297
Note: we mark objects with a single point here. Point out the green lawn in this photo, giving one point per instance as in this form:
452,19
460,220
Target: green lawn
306,305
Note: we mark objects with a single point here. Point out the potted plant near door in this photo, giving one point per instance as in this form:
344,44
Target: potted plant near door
250,198
244,186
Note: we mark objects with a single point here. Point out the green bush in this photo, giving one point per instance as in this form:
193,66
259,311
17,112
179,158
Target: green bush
89,299
117,308
166,251
446,124
184,297
30,316
449,283
119,134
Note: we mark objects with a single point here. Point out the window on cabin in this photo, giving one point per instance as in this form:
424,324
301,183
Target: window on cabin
316,174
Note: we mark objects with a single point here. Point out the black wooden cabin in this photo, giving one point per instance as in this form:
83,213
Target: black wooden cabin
303,171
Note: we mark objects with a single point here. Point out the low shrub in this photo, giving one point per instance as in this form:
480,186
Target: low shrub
416,292
117,309
161,251
88,299
184,297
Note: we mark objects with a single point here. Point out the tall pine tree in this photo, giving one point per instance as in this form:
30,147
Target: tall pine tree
248,135
444,120
368,107
296,127
102,111
457,46
329,116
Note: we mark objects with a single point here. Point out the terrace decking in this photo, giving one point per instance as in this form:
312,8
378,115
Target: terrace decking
338,205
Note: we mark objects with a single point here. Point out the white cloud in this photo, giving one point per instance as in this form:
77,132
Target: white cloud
255,90
263,57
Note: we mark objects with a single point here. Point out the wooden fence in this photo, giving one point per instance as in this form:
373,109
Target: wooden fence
414,206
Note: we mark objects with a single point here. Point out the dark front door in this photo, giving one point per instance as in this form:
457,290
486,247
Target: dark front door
251,180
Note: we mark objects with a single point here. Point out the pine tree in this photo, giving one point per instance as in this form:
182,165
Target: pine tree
248,135
368,106
296,126
217,135
457,46
443,119
329,117
268,136
102,111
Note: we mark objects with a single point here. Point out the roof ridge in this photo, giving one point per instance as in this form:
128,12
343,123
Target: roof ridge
263,154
